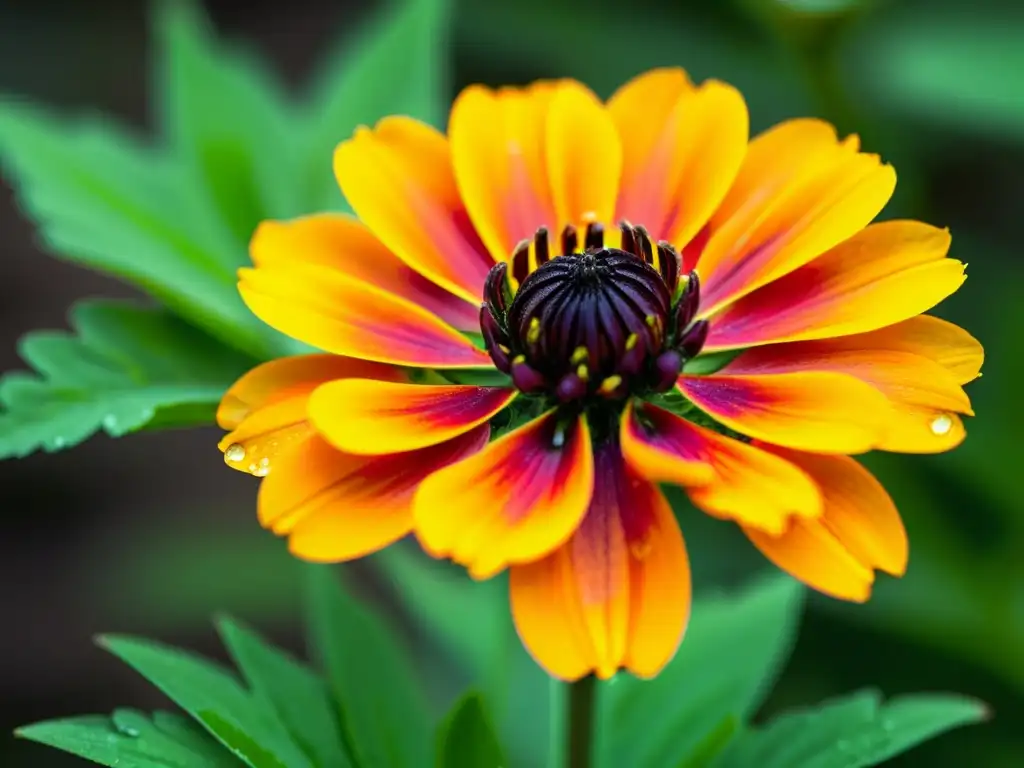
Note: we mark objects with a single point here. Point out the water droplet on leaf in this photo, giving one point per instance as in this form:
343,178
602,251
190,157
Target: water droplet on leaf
128,730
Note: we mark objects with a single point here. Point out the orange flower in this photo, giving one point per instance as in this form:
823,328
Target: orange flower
531,431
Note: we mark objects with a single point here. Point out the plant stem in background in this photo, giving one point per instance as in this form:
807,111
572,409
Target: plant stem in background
581,703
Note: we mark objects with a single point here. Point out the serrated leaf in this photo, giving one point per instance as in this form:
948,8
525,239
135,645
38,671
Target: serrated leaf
469,621
854,732
732,652
398,65
385,720
227,121
298,696
241,722
466,618
124,365
103,200
466,737
130,739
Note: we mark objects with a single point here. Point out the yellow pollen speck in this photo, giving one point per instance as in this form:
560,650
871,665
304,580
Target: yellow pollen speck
582,372
234,453
579,355
518,359
610,384
941,425
533,333
651,320
504,349
632,340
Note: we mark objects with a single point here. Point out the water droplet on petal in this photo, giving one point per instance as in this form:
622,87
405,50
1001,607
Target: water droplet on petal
261,468
234,453
941,425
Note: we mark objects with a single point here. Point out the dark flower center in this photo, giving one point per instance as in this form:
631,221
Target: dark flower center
602,323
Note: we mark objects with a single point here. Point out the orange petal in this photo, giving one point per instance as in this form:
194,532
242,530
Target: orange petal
812,411
349,317
809,552
497,145
788,206
860,530
749,485
949,345
368,417
923,394
335,506
584,156
618,593
514,502
682,147
342,243
289,377
398,178
884,274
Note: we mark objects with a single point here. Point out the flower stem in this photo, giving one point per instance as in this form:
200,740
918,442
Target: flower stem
581,713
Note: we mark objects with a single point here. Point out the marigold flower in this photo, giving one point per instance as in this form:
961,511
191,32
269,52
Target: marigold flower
537,319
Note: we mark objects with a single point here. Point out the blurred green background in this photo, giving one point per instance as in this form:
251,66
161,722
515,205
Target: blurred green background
152,534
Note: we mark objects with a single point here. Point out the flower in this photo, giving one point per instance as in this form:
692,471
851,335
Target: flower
540,318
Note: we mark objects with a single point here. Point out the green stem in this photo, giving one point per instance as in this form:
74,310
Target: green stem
581,713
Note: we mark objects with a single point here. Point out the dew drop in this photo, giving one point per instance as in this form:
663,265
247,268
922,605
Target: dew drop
262,468
128,730
59,442
110,421
234,453
842,745
941,425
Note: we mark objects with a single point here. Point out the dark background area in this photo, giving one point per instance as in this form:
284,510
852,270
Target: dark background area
151,534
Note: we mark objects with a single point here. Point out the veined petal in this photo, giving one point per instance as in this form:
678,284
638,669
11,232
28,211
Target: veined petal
498,153
349,317
368,417
398,178
751,486
787,208
682,147
617,594
335,506
859,531
812,411
947,344
922,392
809,552
342,243
289,377
884,274
584,156
514,502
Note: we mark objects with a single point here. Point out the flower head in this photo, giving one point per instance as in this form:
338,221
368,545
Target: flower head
540,318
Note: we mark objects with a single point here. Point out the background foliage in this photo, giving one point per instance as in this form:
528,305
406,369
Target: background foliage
108,536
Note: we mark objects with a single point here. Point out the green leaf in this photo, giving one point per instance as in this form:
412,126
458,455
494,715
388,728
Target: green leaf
130,739
241,722
103,200
466,738
124,365
466,618
469,621
732,651
384,716
852,732
226,119
948,67
298,696
396,65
